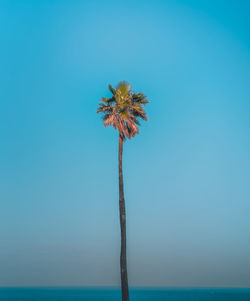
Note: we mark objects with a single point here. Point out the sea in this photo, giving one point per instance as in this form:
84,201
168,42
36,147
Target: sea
114,294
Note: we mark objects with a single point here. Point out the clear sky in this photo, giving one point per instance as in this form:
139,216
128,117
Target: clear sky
186,175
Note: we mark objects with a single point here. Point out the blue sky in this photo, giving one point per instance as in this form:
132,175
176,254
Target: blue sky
187,173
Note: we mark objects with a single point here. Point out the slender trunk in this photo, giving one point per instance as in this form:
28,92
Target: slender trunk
123,257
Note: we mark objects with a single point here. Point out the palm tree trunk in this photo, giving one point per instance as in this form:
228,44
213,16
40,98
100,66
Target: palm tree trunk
123,257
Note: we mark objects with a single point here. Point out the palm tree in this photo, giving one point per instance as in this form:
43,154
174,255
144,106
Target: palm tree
122,111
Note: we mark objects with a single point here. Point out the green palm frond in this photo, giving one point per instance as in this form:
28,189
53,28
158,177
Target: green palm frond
140,98
123,87
104,108
112,90
108,100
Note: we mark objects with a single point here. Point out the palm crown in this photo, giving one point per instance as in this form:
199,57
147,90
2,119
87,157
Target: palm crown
123,109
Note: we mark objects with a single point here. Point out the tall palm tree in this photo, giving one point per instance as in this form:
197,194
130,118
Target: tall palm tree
122,111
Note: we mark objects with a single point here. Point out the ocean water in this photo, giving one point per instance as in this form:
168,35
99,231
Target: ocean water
114,294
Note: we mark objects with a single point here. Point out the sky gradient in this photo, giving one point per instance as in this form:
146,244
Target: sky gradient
186,175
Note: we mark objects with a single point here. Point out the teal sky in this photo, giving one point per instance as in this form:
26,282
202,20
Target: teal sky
186,175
